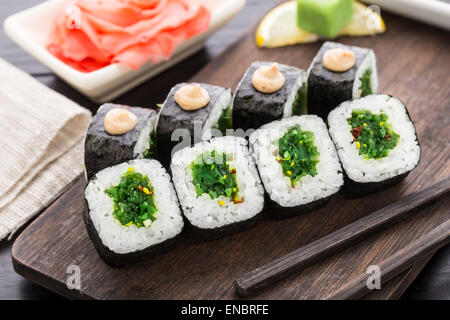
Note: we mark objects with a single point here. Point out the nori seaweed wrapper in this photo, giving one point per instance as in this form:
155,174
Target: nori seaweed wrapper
278,212
173,117
121,260
103,150
353,189
196,235
327,89
251,108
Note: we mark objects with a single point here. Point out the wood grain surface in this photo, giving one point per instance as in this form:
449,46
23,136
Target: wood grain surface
396,263
349,235
413,67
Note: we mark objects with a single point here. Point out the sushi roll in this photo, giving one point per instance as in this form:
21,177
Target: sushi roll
119,133
376,142
218,186
339,73
267,92
132,212
298,164
191,113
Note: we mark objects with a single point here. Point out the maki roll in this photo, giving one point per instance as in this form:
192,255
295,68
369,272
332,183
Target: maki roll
191,113
218,186
298,164
131,211
376,142
268,92
119,133
339,73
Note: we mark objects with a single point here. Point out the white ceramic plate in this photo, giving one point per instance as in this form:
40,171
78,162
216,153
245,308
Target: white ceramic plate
435,12
30,29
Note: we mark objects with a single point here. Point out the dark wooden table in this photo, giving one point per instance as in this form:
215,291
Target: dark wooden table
432,283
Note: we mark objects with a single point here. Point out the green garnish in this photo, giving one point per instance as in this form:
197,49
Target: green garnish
212,175
372,134
150,153
298,155
133,200
299,105
366,87
225,121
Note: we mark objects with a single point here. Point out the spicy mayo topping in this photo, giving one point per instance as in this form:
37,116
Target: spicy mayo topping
119,121
268,79
191,97
338,59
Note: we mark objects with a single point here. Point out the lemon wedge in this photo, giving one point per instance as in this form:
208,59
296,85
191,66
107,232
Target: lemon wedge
366,21
279,26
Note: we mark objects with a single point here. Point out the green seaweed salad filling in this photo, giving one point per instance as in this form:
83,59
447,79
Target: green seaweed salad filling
372,134
150,153
225,121
366,85
299,104
298,155
213,175
133,200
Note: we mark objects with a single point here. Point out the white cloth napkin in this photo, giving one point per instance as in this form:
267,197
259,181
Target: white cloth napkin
41,143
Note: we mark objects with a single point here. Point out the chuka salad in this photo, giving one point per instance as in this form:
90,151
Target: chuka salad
133,200
372,134
213,175
298,155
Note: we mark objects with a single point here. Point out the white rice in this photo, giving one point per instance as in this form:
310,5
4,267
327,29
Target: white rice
143,142
369,62
327,181
287,110
204,212
404,157
222,102
122,239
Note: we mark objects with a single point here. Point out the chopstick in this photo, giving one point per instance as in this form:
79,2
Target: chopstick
397,263
322,248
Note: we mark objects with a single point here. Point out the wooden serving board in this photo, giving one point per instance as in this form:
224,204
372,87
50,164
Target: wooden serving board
413,65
